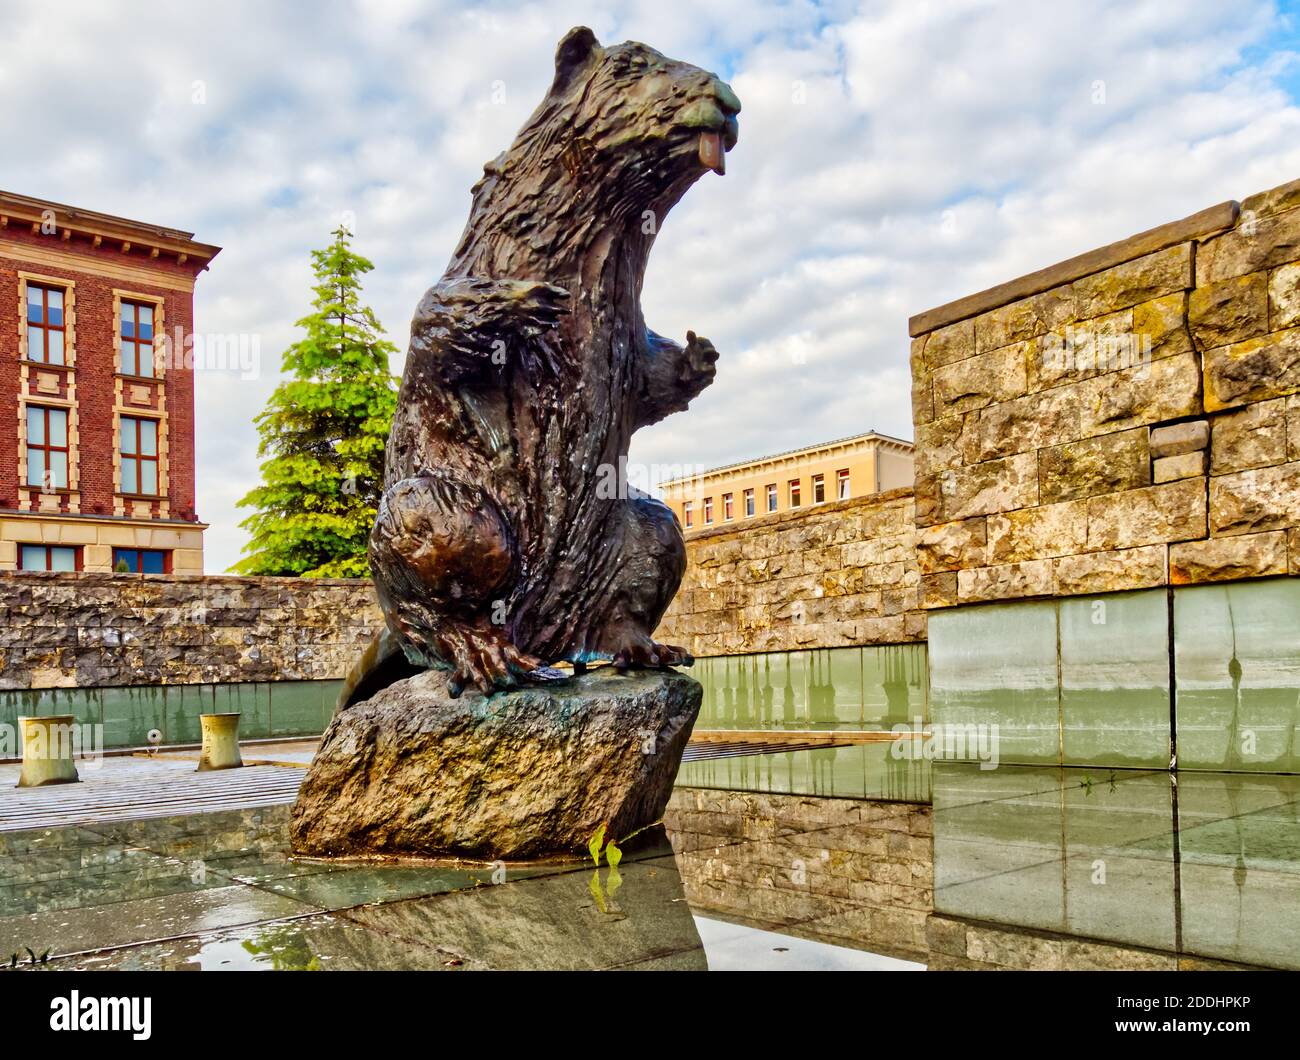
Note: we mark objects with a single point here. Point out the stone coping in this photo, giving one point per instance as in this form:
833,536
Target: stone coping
794,515
110,577
1202,223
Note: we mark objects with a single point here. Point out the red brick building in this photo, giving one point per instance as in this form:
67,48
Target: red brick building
96,391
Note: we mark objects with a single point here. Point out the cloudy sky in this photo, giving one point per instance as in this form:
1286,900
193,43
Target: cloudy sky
893,155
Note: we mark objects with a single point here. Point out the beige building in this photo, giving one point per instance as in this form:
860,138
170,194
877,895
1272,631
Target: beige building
832,471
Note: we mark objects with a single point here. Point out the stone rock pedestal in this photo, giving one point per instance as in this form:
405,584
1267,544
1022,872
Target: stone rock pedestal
524,774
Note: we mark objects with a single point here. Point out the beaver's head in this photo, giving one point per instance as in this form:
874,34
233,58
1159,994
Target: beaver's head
630,99
624,124
624,131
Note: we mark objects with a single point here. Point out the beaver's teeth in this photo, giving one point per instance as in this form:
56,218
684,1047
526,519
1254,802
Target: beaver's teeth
711,153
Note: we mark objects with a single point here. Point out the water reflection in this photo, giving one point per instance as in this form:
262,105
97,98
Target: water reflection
218,890
858,771
1201,863
828,688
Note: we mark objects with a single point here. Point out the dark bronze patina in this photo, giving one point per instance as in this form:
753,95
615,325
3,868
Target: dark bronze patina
505,540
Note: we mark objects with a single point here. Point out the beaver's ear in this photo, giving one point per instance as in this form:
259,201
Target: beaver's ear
577,52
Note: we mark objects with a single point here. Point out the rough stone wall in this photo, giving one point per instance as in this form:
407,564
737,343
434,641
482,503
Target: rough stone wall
845,871
98,630
825,576
1126,419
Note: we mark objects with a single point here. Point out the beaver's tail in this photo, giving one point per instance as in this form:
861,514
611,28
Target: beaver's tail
380,665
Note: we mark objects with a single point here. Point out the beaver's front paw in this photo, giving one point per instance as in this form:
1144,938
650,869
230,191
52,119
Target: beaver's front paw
699,362
641,653
482,657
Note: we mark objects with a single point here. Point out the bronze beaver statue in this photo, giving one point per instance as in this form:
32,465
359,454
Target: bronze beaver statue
503,540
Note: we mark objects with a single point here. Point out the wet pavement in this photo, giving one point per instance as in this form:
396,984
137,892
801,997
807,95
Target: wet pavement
758,875
218,891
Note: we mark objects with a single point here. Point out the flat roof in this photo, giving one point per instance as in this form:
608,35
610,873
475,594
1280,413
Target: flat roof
807,449
27,208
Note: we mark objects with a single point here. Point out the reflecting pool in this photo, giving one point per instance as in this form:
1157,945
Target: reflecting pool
759,874
1196,863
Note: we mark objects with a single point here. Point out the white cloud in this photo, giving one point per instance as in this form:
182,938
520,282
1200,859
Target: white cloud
939,149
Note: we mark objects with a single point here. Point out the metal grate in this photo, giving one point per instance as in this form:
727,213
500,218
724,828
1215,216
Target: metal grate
707,751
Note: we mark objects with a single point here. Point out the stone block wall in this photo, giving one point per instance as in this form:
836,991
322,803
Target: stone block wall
64,630
844,871
825,576
1125,419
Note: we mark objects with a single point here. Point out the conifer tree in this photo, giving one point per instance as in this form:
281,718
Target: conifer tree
323,433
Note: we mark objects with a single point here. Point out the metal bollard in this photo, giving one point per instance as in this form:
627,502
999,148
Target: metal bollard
48,745
220,742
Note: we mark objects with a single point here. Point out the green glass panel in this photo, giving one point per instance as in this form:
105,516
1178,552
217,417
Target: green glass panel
184,705
329,691
1119,868
11,707
996,665
80,703
998,844
759,693
297,708
1240,873
1237,657
835,688
820,689
732,699
129,714
894,679
710,709
252,702
1115,679
784,684
1077,851
853,771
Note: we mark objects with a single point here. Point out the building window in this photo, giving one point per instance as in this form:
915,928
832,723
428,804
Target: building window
135,326
794,493
139,449
771,498
842,485
141,560
46,332
749,503
48,557
688,513
819,488
708,510
728,507
47,447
